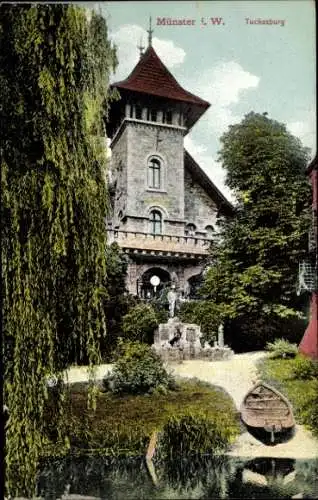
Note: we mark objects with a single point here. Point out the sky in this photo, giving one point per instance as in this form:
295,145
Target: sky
237,66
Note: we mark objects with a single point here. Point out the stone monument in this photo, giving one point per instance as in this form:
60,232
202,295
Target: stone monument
178,341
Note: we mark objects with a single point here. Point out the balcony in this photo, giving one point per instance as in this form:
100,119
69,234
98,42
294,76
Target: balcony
159,244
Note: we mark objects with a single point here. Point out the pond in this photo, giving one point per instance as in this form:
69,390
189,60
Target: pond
189,478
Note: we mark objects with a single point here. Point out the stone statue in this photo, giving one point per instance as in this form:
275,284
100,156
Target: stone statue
187,290
221,335
174,278
172,298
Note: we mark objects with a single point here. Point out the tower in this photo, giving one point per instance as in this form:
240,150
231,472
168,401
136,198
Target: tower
164,206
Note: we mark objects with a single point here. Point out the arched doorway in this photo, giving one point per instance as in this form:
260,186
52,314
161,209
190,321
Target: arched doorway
145,289
194,284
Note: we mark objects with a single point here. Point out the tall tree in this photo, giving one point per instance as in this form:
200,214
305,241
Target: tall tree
55,62
254,276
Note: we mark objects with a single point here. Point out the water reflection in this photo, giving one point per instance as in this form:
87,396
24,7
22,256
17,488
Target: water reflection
194,477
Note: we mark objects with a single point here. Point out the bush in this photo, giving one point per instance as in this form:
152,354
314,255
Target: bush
281,348
251,332
138,370
313,417
196,434
295,378
305,369
161,309
139,323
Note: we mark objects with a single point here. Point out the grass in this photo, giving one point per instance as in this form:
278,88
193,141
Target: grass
123,425
302,393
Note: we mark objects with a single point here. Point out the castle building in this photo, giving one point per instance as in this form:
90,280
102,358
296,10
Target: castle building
163,206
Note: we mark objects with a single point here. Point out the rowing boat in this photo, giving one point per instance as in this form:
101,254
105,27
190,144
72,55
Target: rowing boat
267,413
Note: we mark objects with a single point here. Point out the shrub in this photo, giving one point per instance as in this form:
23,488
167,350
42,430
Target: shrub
281,348
139,323
251,332
137,370
196,434
297,378
313,417
161,309
305,368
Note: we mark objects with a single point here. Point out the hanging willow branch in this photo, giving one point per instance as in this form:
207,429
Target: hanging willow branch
55,63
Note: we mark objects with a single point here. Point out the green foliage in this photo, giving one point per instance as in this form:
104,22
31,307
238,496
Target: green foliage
161,308
301,390
117,265
122,425
255,262
204,313
54,82
197,434
139,323
312,417
253,331
137,370
305,368
117,301
281,348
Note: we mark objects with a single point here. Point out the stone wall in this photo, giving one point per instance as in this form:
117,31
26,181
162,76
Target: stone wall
137,142
199,208
145,140
181,199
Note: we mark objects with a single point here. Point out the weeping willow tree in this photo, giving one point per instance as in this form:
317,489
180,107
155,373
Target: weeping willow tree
55,64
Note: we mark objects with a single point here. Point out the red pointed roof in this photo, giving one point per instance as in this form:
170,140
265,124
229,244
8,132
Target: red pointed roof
151,76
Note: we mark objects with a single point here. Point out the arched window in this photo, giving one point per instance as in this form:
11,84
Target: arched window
155,221
154,173
190,229
210,231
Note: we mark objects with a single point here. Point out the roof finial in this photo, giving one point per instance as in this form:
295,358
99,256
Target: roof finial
141,48
150,32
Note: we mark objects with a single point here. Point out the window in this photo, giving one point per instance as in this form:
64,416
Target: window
210,231
190,229
167,117
138,112
154,173
151,115
131,111
155,222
